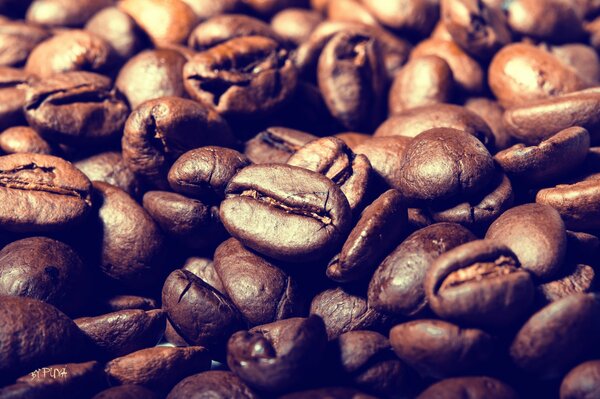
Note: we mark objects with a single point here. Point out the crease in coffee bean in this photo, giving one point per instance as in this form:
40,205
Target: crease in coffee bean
278,143
480,271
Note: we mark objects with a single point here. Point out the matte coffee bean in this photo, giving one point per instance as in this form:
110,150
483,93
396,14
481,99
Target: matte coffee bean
295,24
245,77
581,382
397,285
576,278
380,227
76,108
44,269
350,11
159,131
386,155
293,347
584,59
13,96
64,13
536,234
119,30
331,157
158,368
557,337
20,139
472,387
406,16
213,384
123,332
285,212
260,290
109,167
204,172
276,145
127,391
54,55
479,283
41,193
439,349
17,40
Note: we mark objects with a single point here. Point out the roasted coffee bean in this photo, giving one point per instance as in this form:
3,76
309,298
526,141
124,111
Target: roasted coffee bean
159,131
204,172
492,113
123,332
380,227
536,234
158,368
353,139
35,334
152,74
205,269
386,155
444,164
397,285
12,96
212,384
276,145
109,167
521,73
117,303
76,108
260,290
479,283
44,269
577,278
558,337
439,349
41,193
351,77
350,11
581,382
411,16
415,121
245,77
295,24
119,30
293,347
331,157
164,21
472,387
285,212
329,393
20,139
582,247
198,312
64,13
131,244
55,55
17,40
127,391
553,158
342,311
584,59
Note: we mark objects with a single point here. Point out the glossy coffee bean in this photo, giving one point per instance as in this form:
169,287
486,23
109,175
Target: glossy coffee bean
536,234
479,283
397,285
386,155
205,269
276,144
41,193
109,167
44,269
13,95
439,349
117,303
581,382
20,139
293,346
17,40
64,13
473,387
285,212
214,384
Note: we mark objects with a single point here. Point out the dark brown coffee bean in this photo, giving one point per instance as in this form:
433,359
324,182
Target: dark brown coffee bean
41,193
479,283
576,278
293,347
64,13
204,172
582,247
127,391
20,139
160,130
164,21
397,285
35,334
295,24
109,167
581,382
536,234
158,368
13,96
212,384
439,349
17,40
444,164
342,311
131,244
411,16
558,336
329,393
54,55
276,145
245,77
117,303
44,269
205,269
331,157
380,227
471,387
553,158
492,113
261,291
123,332
76,108
386,155
198,312
285,212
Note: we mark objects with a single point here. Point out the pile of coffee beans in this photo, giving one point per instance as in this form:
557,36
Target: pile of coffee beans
343,199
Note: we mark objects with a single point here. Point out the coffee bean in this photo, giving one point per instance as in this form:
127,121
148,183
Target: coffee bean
576,278
127,391
64,13
12,94
117,303
285,212
295,24
412,16
492,113
20,139
109,167
205,269
276,145
17,40
330,393
473,387
386,155
580,57
214,384
582,381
